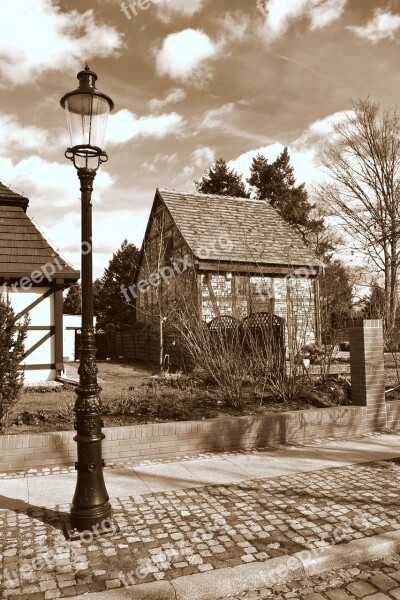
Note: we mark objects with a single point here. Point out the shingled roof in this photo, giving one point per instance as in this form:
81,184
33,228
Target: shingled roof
256,232
23,249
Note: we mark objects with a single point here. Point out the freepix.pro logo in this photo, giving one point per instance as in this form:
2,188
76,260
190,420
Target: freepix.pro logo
262,7
134,7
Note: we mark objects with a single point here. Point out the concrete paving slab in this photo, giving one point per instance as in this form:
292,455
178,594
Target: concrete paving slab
216,471
125,482
261,466
168,477
49,491
52,490
13,490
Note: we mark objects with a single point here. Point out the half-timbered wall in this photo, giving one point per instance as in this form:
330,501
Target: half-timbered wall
43,349
235,295
164,247
241,295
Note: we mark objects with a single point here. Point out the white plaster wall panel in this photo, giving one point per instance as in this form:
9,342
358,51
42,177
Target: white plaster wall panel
44,354
39,375
40,315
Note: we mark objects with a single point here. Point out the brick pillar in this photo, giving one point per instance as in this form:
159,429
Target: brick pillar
367,371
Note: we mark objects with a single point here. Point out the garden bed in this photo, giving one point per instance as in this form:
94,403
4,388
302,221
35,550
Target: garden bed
134,394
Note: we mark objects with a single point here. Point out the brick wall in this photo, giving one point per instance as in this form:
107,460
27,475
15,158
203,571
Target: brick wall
121,444
368,371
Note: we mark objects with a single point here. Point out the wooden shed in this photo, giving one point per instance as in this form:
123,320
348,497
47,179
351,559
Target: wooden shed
33,277
233,257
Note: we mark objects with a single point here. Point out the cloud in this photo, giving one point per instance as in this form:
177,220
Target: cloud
280,14
304,151
225,119
109,230
174,95
321,130
203,156
234,26
200,159
125,126
167,9
168,160
36,36
52,185
383,25
182,54
14,137
216,116
53,191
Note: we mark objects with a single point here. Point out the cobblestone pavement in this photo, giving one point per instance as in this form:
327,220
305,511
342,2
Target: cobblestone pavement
375,580
166,535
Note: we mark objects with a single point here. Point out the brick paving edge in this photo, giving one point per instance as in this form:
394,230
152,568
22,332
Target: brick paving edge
257,575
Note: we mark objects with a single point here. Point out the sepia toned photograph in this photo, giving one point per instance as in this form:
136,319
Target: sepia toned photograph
199,299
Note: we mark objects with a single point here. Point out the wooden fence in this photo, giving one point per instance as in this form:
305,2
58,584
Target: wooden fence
134,342
142,341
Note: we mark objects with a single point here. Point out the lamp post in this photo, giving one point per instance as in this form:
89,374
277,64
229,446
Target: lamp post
87,112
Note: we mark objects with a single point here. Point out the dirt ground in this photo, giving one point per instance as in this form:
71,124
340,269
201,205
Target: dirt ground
115,379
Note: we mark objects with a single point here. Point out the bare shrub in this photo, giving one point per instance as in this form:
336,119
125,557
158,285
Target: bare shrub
241,363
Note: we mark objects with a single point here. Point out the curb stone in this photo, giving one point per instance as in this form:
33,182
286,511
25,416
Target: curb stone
235,580
158,590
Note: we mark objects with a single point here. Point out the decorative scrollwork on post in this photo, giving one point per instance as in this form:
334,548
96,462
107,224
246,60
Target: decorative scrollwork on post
88,367
89,426
86,406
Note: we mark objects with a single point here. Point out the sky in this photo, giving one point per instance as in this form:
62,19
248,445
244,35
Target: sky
192,81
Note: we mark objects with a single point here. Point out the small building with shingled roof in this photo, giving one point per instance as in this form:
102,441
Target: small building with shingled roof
242,258
32,277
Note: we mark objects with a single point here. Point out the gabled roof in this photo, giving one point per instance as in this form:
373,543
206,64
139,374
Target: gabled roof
23,249
236,230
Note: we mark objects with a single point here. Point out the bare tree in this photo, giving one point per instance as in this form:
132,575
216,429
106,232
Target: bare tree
164,276
363,164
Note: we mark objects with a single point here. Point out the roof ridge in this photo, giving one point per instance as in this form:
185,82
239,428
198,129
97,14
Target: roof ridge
6,187
216,196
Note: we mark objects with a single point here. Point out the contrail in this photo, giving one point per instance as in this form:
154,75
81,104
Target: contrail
311,69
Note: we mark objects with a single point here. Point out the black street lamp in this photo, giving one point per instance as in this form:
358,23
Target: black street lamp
87,112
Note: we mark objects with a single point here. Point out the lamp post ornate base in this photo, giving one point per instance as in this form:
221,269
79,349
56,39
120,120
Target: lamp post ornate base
90,505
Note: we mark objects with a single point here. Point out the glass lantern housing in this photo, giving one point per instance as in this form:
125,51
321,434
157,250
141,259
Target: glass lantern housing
87,112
